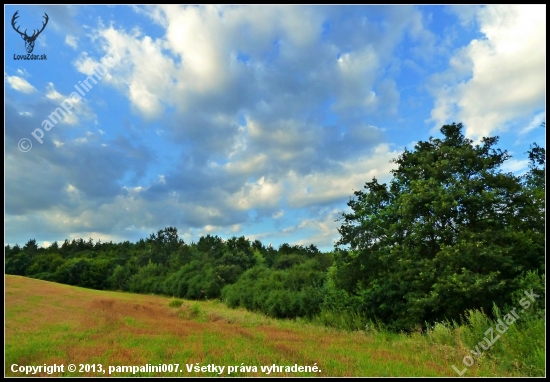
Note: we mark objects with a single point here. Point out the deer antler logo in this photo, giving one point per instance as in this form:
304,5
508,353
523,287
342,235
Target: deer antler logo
29,40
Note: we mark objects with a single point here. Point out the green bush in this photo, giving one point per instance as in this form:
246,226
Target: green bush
196,310
441,333
149,279
345,320
175,303
287,293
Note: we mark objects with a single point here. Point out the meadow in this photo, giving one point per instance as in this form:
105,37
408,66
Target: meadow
48,323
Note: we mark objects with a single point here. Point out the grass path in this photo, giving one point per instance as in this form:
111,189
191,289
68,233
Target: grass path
49,323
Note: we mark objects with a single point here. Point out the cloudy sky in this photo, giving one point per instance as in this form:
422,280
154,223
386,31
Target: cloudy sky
247,120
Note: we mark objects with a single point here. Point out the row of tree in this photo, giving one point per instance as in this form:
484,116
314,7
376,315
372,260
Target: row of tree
450,232
162,264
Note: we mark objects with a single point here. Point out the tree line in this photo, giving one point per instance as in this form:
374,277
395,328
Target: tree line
237,270
450,232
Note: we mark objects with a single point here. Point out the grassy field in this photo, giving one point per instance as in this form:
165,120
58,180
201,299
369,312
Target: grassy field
48,323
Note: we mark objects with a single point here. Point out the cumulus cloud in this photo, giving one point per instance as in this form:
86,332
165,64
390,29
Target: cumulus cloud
260,110
338,184
499,77
203,55
19,84
262,193
61,168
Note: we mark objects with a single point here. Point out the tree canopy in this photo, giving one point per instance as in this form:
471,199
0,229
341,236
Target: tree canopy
450,232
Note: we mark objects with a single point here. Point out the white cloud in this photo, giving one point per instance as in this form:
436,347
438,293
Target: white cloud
254,164
19,84
465,13
507,75
136,66
535,123
515,166
198,57
320,230
260,194
357,75
336,185
79,108
278,214
72,41
324,229
259,111
52,93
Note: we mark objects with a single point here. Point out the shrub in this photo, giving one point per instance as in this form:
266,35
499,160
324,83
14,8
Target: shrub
196,309
175,303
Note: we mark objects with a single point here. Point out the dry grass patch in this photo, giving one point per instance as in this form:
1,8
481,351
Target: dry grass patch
53,323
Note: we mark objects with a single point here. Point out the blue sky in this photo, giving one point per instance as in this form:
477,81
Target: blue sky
247,120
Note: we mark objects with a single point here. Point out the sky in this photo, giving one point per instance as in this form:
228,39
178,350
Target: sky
247,120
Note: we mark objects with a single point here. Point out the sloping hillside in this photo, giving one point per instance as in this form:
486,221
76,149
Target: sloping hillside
48,323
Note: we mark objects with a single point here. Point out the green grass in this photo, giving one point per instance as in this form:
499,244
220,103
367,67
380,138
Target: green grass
49,323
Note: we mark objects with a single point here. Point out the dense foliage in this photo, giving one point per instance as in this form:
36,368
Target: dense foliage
450,233
282,282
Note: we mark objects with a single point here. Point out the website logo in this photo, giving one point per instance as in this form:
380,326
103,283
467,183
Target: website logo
29,40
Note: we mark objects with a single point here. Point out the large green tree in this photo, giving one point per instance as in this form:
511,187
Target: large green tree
450,232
